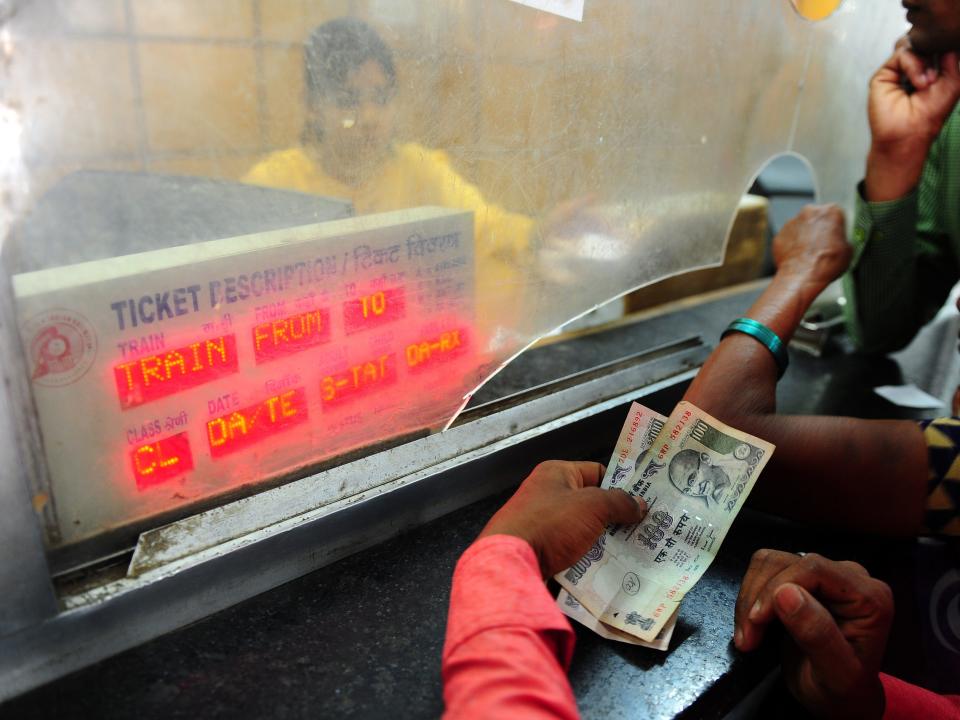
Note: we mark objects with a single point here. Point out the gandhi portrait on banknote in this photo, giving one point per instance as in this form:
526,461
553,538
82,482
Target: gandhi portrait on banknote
693,474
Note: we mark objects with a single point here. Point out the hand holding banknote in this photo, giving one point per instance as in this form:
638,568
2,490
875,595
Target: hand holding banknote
695,476
560,511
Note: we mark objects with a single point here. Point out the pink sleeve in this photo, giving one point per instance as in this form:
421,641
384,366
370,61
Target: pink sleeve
907,702
508,645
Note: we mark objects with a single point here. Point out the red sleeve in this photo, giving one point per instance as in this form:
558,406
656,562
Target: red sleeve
908,702
508,645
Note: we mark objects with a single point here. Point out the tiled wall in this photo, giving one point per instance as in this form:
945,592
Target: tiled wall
533,108
198,87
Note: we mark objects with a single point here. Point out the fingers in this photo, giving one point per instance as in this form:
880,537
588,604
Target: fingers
764,566
573,474
916,69
940,76
591,473
633,509
828,212
845,587
817,635
612,506
906,63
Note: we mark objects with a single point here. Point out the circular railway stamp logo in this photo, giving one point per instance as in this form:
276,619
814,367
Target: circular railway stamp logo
61,347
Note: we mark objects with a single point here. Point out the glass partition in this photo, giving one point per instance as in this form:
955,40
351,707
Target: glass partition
245,237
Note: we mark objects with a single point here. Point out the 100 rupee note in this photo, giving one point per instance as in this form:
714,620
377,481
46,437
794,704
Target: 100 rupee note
639,430
570,607
695,478
637,435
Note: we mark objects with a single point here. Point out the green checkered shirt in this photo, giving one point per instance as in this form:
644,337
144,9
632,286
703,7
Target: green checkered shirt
906,252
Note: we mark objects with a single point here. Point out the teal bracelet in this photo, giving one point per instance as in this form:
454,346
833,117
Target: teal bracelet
767,337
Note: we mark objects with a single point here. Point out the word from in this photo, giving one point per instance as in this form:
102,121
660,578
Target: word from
279,338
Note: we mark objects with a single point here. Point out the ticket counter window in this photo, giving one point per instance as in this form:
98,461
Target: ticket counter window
245,241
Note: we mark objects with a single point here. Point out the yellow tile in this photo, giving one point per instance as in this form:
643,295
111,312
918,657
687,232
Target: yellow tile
76,98
199,98
101,16
282,73
226,167
194,18
282,20
292,20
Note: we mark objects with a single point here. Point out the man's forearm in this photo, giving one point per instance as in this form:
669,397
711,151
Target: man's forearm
507,644
859,474
893,173
740,376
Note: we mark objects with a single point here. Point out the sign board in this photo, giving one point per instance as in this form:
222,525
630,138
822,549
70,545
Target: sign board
171,376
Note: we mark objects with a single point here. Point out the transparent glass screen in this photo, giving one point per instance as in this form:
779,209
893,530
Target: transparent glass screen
248,236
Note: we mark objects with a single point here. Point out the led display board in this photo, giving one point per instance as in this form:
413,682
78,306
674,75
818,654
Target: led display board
172,376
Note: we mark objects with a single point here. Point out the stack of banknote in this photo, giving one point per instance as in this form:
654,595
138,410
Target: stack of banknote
695,474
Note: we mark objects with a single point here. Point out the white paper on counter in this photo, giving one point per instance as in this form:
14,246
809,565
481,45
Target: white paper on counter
908,396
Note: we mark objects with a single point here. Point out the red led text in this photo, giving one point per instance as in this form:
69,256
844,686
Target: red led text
373,310
156,462
358,379
246,426
425,354
149,378
279,338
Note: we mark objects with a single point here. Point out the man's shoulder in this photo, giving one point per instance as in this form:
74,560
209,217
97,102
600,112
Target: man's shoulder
289,157
281,168
415,155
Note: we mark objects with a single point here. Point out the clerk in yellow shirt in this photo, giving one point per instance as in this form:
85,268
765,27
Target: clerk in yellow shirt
349,153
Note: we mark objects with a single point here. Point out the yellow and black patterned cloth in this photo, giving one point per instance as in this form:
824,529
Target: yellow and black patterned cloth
943,491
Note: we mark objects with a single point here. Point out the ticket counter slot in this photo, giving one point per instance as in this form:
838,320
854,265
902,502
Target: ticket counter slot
229,552
483,429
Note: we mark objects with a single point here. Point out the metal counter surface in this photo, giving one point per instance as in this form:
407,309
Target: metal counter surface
362,637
